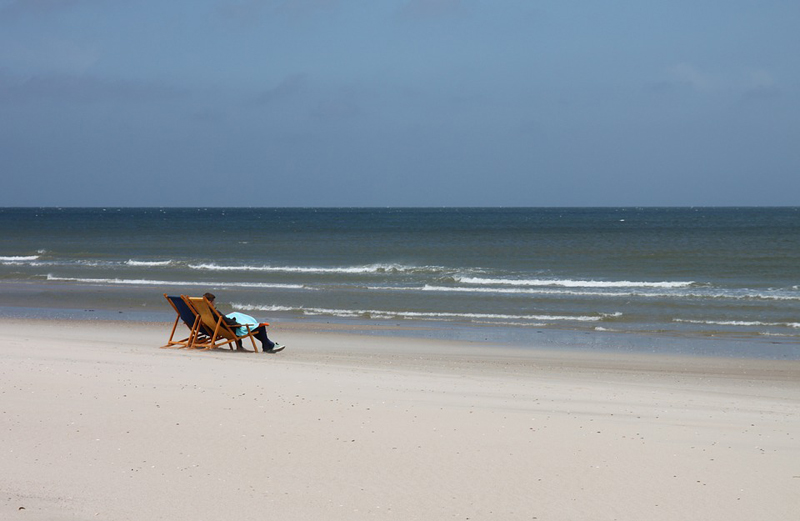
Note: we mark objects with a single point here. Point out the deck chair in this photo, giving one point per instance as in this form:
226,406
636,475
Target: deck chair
220,333
189,317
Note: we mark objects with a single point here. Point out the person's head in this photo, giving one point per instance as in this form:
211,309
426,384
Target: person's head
209,296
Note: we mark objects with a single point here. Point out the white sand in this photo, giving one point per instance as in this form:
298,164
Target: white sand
98,423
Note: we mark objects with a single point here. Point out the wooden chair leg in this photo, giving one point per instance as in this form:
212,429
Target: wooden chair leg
172,334
195,333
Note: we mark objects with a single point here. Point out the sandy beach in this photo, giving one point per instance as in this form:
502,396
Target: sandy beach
99,423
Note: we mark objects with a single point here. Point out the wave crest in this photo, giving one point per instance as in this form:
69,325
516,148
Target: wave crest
569,283
148,282
742,323
420,315
366,269
133,262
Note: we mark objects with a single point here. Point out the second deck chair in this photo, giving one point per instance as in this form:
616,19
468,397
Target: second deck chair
220,333
189,317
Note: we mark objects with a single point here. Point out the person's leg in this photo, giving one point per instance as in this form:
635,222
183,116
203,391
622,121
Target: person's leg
261,335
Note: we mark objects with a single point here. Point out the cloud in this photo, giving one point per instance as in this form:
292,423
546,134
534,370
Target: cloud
755,86
336,109
428,9
686,74
761,78
762,93
80,89
660,86
290,86
761,86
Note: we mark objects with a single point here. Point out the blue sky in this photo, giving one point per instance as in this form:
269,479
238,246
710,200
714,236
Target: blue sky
399,103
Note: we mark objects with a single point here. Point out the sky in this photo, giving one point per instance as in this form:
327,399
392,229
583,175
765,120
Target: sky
304,103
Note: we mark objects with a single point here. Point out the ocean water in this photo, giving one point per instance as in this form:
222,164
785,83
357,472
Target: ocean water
664,272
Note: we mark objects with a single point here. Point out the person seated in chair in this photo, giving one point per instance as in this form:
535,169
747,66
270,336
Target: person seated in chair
241,320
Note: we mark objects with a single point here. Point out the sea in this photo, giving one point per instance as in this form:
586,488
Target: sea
706,280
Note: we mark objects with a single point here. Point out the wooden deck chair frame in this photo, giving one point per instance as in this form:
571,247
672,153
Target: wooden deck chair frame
221,333
193,323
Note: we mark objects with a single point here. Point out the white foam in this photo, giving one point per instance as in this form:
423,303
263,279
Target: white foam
18,258
132,262
422,315
743,323
767,333
517,324
147,282
724,322
642,292
523,291
372,268
569,283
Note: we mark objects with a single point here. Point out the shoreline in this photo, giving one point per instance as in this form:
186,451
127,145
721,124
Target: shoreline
603,340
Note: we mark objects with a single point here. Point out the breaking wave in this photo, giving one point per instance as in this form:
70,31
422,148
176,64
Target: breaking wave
588,292
18,258
132,262
148,282
569,283
422,315
743,323
366,269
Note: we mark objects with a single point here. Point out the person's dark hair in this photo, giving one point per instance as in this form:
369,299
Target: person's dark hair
209,296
